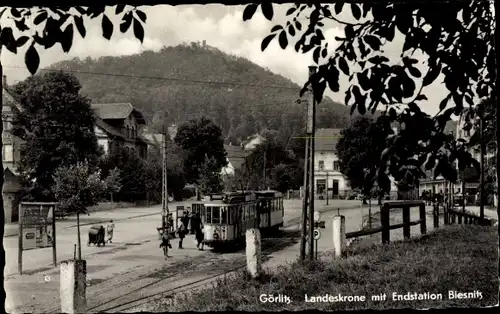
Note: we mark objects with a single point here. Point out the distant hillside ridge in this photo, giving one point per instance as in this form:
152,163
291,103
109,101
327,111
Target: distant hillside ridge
194,80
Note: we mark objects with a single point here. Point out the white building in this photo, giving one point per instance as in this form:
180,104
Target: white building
235,159
327,174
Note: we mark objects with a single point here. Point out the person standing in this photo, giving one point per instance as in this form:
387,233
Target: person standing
110,228
197,226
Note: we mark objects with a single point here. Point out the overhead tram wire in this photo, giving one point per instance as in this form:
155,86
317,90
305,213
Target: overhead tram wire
172,79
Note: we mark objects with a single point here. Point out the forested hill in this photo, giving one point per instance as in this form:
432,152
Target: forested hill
184,81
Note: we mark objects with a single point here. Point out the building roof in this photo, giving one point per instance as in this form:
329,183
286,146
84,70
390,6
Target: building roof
326,139
115,133
154,138
117,111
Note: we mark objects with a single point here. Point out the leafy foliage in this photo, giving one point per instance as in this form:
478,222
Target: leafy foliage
57,25
76,187
56,125
454,39
200,140
250,99
113,182
362,140
211,177
271,165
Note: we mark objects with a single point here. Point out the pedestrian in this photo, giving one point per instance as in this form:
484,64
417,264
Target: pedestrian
165,241
110,228
181,231
170,222
198,229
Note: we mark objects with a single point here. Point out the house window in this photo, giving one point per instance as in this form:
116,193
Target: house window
128,132
321,165
8,152
7,126
336,166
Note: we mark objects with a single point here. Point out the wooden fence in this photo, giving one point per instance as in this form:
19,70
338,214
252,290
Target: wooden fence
455,215
385,221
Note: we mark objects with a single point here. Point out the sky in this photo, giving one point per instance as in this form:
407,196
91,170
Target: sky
219,26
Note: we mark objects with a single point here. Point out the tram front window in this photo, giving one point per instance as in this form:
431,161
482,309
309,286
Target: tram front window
216,215
223,212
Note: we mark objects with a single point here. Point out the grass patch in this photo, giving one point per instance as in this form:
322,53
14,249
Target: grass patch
452,258
107,206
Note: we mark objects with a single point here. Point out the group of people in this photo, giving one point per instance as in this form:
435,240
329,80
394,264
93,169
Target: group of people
189,224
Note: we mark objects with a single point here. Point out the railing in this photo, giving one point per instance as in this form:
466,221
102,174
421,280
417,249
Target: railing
459,216
385,221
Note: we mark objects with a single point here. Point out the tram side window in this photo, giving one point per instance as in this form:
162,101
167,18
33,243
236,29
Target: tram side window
223,215
216,215
208,214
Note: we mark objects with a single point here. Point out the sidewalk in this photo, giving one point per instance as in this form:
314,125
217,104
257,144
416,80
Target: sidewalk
488,213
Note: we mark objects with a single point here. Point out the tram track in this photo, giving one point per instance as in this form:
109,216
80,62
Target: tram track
136,298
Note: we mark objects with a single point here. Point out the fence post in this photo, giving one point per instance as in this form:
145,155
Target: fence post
254,266
73,285
384,220
423,221
459,218
339,239
435,215
406,222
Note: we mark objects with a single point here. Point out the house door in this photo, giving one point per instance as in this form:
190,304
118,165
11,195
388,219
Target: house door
335,188
320,186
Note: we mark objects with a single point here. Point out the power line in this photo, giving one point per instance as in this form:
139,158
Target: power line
166,79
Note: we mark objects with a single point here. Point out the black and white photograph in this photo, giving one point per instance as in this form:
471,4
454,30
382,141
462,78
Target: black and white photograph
249,156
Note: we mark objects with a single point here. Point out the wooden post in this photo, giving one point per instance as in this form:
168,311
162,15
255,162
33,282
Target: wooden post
253,252
435,216
459,219
20,246
305,202
73,286
54,252
406,222
339,238
423,223
384,219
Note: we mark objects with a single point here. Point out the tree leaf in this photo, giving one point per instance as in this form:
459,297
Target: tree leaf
119,8
7,39
276,28
414,72
338,6
267,9
80,26
266,41
67,38
32,59
444,102
298,25
15,13
378,59
291,30
324,53
40,18
347,97
432,75
291,11
21,25
421,97
126,22
343,66
138,31
141,15
373,41
249,11
356,11
316,52
22,40
107,27
283,40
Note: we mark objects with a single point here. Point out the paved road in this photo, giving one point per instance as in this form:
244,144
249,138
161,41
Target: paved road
135,248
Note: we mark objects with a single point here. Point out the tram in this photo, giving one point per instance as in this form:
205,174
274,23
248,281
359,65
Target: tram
226,219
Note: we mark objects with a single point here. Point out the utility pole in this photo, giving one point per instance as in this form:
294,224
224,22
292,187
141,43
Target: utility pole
165,210
481,142
305,202
311,125
264,169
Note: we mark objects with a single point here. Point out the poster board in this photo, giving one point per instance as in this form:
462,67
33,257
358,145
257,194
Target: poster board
37,228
